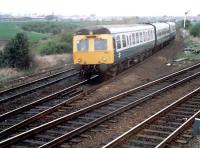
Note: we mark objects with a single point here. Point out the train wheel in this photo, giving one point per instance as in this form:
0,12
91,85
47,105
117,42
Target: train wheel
112,72
136,59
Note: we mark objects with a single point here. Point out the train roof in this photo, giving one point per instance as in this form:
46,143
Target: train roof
113,29
171,23
161,25
117,29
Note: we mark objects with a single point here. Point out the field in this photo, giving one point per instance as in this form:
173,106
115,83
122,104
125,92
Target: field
193,43
8,30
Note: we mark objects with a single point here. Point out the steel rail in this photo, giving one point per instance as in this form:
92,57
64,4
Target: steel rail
119,140
29,83
43,113
89,108
36,88
78,131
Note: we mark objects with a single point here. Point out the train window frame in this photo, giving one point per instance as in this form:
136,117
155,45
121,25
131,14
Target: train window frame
127,41
133,38
137,38
130,39
145,36
102,42
149,35
78,47
141,37
152,34
143,33
118,42
123,39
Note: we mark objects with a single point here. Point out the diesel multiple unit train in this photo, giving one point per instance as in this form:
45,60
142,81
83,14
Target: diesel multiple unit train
111,48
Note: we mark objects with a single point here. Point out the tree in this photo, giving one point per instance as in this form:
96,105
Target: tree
195,30
1,59
16,53
187,24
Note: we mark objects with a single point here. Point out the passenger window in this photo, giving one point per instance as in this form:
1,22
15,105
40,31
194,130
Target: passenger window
149,35
82,45
145,36
141,37
158,33
118,42
124,40
137,38
152,34
100,44
130,39
133,38
127,39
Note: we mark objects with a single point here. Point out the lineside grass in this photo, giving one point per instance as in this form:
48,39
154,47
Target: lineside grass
8,29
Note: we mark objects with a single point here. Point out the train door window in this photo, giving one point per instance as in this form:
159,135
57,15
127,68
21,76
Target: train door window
123,40
137,38
100,44
114,43
118,42
133,38
83,45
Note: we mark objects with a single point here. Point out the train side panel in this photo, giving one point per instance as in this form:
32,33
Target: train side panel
162,33
172,30
132,52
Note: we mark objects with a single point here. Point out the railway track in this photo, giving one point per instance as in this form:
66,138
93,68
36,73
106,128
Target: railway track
8,84
9,94
12,98
56,103
73,124
161,128
26,114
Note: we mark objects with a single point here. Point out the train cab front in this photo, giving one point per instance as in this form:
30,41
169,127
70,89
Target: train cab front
91,53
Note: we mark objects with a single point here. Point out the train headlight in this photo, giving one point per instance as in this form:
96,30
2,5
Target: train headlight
79,60
104,59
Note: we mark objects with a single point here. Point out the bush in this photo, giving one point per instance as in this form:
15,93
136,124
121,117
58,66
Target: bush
1,59
48,27
195,30
58,44
67,37
53,47
188,24
16,54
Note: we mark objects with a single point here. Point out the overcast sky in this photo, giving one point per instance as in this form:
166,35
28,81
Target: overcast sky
102,7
